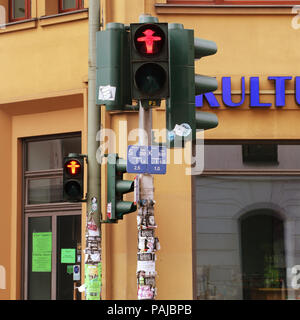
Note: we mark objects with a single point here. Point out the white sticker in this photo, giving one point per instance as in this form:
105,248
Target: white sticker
108,211
81,288
147,266
136,190
141,245
76,272
182,130
107,93
96,257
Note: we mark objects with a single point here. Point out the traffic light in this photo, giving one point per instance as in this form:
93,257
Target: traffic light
116,188
73,174
149,60
113,67
182,120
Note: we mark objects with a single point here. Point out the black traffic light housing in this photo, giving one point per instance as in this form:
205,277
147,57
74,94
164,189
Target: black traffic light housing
149,56
73,178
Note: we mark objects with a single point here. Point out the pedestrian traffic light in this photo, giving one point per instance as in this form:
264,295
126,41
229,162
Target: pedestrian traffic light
149,60
182,120
73,174
116,188
113,67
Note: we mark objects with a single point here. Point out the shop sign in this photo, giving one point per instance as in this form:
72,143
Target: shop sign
254,101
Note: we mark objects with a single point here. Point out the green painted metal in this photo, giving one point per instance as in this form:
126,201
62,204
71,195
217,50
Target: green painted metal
116,188
206,120
204,48
113,65
205,84
146,18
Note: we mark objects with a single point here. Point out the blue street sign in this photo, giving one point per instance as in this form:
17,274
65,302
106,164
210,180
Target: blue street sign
143,159
137,159
157,163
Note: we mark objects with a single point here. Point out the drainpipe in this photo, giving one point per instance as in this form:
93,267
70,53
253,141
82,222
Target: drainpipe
93,263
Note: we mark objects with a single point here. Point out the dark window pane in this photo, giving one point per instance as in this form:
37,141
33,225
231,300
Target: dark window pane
260,153
18,9
45,190
68,4
39,258
68,240
48,154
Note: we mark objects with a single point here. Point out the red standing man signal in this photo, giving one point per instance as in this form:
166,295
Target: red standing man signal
149,40
73,167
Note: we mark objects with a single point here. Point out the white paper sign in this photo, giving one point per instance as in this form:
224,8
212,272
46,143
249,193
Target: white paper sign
107,93
147,266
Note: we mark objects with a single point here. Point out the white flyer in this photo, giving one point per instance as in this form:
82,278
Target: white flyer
147,266
107,93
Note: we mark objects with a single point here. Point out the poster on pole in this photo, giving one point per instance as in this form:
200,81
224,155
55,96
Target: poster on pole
93,281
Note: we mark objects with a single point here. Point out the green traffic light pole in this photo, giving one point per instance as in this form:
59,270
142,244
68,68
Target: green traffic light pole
93,266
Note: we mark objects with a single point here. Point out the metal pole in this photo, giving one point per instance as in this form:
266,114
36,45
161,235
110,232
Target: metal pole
93,267
147,242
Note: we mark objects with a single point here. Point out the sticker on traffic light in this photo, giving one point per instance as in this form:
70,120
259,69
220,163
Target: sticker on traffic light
73,179
149,61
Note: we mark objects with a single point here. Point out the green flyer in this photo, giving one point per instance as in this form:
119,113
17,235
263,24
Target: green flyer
93,281
41,251
68,256
42,242
41,262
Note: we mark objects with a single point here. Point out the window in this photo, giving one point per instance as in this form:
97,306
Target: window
52,227
247,221
70,5
19,10
43,169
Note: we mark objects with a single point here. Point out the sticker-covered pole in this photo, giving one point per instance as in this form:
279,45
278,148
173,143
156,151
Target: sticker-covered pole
147,242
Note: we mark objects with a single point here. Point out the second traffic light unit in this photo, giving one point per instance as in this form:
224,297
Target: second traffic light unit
116,188
185,84
73,175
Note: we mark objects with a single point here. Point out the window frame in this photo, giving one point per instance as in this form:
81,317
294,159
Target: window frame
79,6
254,172
49,173
27,11
224,3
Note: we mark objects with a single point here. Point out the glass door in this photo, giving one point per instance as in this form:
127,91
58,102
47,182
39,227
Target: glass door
68,255
39,258
52,256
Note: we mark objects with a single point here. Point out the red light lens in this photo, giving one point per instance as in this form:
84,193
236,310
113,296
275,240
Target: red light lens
149,40
73,167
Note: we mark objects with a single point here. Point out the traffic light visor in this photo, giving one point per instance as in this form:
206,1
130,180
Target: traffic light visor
73,167
149,40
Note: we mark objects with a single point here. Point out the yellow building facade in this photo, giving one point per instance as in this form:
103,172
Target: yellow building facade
44,95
